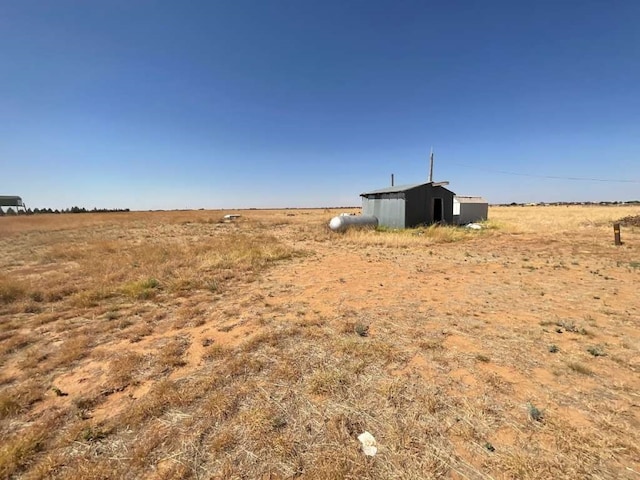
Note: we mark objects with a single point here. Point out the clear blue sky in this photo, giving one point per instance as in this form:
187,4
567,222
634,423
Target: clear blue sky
155,104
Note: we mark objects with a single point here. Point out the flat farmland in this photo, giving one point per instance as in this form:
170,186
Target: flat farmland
171,345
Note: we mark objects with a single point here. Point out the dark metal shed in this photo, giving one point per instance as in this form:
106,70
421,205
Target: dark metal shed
10,201
407,206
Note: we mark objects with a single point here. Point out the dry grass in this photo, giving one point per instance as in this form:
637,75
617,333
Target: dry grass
170,345
414,237
11,290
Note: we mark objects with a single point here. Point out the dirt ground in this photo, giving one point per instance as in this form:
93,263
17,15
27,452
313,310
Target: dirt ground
174,345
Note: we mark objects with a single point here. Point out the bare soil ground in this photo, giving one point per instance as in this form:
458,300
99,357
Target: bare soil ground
172,345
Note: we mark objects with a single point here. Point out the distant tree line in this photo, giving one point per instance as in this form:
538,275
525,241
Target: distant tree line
543,204
10,211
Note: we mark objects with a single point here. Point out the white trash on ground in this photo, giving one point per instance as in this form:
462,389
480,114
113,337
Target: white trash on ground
474,226
369,444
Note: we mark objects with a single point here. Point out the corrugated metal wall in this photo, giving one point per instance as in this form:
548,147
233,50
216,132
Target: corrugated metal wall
408,208
389,209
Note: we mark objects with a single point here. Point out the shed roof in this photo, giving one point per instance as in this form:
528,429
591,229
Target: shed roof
9,197
396,189
463,199
404,188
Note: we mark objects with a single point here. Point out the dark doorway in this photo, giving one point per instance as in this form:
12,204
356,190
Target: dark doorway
437,209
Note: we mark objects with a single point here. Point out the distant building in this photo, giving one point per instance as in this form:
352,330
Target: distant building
469,209
408,206
11,201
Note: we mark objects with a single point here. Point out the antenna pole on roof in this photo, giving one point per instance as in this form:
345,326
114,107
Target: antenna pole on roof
431,166
392,180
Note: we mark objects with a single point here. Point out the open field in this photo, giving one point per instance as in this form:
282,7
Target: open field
170,345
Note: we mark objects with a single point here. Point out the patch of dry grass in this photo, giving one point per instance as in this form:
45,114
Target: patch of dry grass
413,237
574,218
123,369
83,282
11,290
17,449
171,353
141,289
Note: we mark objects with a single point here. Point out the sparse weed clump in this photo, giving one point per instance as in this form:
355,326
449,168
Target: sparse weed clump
8,405
94,433
535,413
596,351
580,368
362,329
570,326
141,289
328,382
11,290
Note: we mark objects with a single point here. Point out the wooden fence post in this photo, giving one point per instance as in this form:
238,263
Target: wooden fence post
616,233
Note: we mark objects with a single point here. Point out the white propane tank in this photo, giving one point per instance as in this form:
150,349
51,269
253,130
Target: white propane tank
342,222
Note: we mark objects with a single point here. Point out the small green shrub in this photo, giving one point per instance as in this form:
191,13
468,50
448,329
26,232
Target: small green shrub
535,413
362,329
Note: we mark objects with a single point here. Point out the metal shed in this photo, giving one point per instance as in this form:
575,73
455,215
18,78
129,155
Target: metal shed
469,209
407,206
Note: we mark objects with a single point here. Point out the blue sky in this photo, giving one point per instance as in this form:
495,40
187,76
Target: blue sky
222,104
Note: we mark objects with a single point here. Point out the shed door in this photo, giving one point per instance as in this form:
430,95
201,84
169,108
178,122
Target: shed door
437,210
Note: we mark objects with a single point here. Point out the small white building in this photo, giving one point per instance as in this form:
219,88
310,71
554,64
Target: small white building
469,209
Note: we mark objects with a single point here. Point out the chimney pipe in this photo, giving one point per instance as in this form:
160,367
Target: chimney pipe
431,166
392,180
